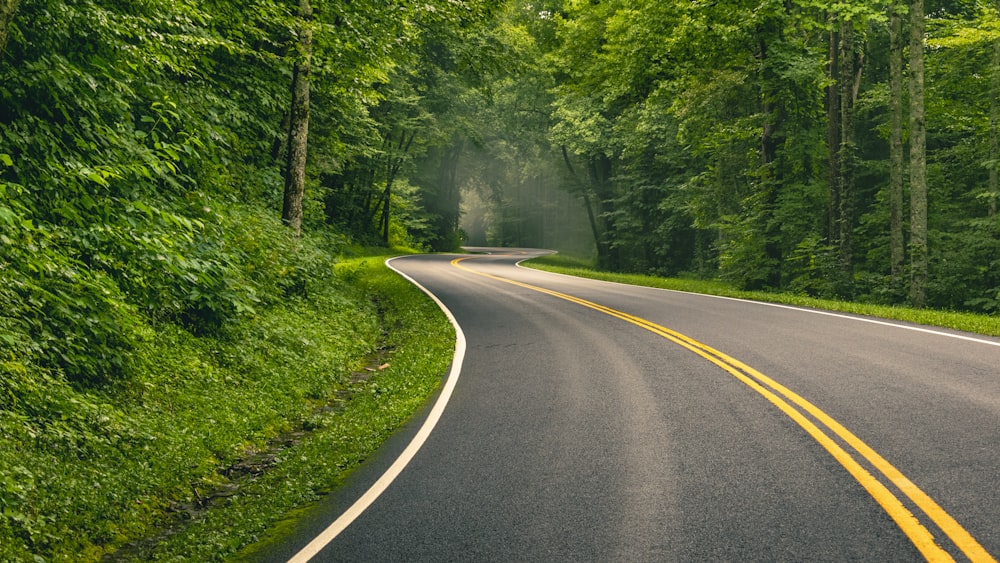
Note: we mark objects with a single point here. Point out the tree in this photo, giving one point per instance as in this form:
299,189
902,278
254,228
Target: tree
896,168
584,112
395,155
848,82
298,126
918,160
994,133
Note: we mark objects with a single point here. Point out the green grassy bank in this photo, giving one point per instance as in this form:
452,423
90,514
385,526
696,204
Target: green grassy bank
982,324
216,439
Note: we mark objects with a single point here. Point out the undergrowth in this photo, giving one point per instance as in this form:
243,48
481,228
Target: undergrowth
138,466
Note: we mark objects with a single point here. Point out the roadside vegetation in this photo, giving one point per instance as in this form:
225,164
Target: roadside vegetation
988,325
188,313
215,438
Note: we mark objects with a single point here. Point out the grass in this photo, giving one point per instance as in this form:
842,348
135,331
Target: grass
969,322
220,438
421,342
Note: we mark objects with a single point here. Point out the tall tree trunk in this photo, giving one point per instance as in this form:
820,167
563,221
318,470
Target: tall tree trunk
599,168
896,169
393,164
846,153
374,210
994,182
383,223
298,129
918,160
595,229
770,180
994,154
833,130
7,10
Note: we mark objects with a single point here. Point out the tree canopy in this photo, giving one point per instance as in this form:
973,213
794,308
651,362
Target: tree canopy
745,140
752,140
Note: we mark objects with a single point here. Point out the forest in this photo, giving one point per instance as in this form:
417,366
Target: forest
835,149
177,174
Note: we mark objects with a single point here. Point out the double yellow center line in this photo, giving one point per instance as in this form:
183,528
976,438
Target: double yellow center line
797,408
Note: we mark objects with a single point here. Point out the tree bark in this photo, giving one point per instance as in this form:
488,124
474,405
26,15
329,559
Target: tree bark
896,169
918,160
770,178
298,129
393,164
846,152
833,130
7,10
994,182
595,229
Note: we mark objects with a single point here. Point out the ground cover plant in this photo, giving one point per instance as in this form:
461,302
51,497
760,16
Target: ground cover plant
166,448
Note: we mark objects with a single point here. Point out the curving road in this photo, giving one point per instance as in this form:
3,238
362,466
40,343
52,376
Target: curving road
592,421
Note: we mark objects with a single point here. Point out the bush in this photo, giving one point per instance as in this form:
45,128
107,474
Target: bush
110,420
58,312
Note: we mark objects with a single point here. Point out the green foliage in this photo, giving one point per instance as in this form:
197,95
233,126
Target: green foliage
813,269
157,321
57,312
423,343
132,450
697,135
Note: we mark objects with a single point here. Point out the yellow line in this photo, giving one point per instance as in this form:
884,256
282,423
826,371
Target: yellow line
911,526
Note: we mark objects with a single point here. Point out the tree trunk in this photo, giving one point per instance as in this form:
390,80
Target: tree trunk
374,210
918,160
994,182
7,10
769,178
393,164
846,153
599,169
383,223
298,130
896,170
602,250
833,130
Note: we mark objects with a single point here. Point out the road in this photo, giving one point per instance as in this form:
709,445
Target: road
592,421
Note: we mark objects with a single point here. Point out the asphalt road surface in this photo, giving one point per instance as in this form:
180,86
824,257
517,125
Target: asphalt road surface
592,421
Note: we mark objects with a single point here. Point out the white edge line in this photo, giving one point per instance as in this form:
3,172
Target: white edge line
790,307
359,506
